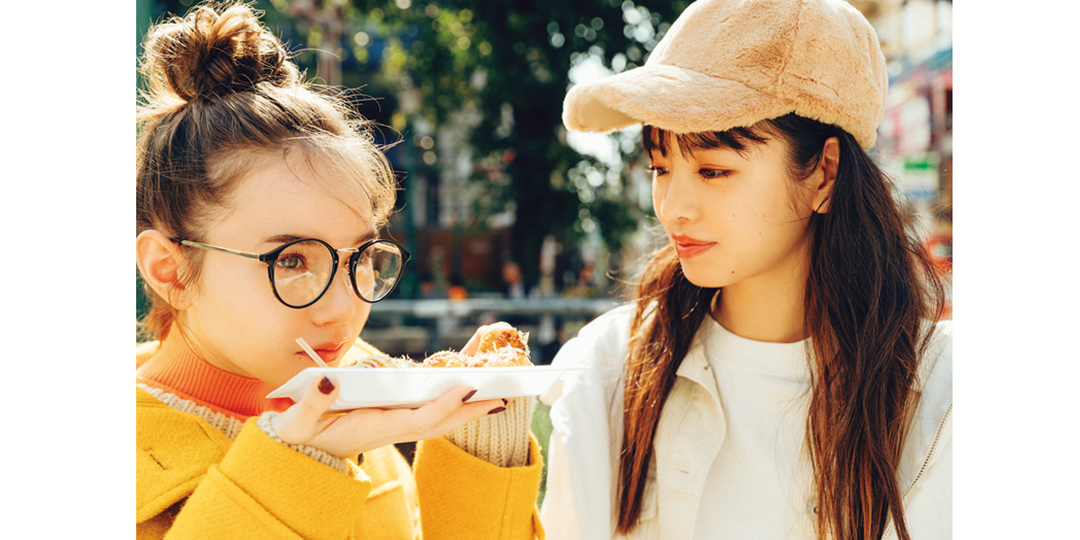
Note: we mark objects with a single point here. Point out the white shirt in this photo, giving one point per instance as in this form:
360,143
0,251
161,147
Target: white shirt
764,391
685,495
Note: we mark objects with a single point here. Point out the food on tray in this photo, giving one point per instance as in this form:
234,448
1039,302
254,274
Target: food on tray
496,339
500,346
445,359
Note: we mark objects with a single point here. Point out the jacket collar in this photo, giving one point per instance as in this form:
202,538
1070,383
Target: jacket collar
173,452
695,366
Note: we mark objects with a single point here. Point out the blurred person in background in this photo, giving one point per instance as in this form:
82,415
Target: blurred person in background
512,281
427,288
781,373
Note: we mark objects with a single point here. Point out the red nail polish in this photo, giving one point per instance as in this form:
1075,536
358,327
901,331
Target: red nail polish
497,410
467,396
325,386
505,401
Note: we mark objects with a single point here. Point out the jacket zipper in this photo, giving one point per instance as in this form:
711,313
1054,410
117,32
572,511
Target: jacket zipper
925,464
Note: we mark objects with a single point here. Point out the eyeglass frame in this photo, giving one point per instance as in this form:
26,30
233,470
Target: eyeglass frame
270,257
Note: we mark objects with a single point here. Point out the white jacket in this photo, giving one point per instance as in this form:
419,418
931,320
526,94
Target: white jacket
586,415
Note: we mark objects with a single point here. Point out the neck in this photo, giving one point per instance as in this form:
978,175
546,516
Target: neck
770,311
177,370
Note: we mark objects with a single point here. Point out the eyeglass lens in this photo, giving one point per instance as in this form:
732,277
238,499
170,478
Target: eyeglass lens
304,270
377,271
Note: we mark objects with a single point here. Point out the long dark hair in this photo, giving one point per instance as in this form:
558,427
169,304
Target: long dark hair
870,292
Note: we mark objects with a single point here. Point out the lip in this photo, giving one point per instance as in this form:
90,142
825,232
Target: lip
329,351
687,247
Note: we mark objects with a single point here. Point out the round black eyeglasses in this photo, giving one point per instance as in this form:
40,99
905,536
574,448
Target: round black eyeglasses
302,270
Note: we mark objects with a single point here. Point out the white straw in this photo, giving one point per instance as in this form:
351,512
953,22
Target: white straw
303,344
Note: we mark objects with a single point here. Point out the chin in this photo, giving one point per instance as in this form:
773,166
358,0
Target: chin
704,278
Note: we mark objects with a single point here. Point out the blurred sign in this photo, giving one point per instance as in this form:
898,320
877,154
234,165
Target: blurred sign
918,177
914,126
917,183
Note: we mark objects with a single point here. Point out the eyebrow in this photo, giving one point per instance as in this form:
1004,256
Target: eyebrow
286,238
701,154
737,140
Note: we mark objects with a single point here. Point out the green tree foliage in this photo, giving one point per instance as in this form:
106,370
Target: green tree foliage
511,62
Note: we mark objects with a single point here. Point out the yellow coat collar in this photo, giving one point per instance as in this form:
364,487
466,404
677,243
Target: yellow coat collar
173,452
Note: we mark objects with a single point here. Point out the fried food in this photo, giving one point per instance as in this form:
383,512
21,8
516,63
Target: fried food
372,361
500,346
501,337
445,359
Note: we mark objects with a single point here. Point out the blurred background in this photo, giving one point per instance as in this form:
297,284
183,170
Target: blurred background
510,217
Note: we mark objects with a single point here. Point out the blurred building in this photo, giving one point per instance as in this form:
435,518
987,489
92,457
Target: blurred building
915,138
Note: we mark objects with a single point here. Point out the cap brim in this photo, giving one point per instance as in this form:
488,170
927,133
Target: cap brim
671,98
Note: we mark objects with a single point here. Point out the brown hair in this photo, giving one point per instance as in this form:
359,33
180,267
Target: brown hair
871,288
222,96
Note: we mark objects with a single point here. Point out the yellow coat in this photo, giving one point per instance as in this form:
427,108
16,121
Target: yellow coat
193,482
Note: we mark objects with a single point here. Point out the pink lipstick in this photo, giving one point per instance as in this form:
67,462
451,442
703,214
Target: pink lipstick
687,247
330,351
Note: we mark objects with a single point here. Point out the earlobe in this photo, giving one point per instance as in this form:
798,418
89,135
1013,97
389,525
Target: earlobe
158,259
828,165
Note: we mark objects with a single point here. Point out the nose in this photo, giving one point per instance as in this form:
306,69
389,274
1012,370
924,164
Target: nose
674,198
338,305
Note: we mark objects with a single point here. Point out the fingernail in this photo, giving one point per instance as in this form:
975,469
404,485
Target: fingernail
467,396
497,410
325,386
505,401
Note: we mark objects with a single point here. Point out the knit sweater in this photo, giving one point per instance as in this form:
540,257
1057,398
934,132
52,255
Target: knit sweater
204,470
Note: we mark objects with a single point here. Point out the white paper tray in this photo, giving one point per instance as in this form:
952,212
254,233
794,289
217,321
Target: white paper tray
390,388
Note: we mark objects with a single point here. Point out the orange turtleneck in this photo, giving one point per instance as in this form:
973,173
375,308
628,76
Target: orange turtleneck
177,370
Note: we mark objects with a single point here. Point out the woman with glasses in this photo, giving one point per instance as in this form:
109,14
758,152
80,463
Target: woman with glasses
259,206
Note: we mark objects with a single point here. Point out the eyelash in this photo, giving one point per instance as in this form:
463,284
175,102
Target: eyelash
708,174
281,260
712,174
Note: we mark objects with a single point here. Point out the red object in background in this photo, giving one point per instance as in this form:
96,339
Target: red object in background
457,292
940,248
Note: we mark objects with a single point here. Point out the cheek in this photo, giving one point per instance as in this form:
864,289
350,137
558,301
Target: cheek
234,287
799,199
363,310
656,197
781,205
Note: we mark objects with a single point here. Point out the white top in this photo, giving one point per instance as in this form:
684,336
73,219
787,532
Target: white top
727,459
764,391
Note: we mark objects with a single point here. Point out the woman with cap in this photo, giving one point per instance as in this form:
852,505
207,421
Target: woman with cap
781,372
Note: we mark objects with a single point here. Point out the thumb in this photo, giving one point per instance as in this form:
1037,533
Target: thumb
300,423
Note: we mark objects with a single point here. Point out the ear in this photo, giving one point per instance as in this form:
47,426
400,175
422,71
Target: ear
158,259
825,178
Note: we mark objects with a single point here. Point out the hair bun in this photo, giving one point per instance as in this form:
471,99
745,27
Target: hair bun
208,53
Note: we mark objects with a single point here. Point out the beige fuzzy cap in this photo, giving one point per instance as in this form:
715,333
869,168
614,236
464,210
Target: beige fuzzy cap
733,63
